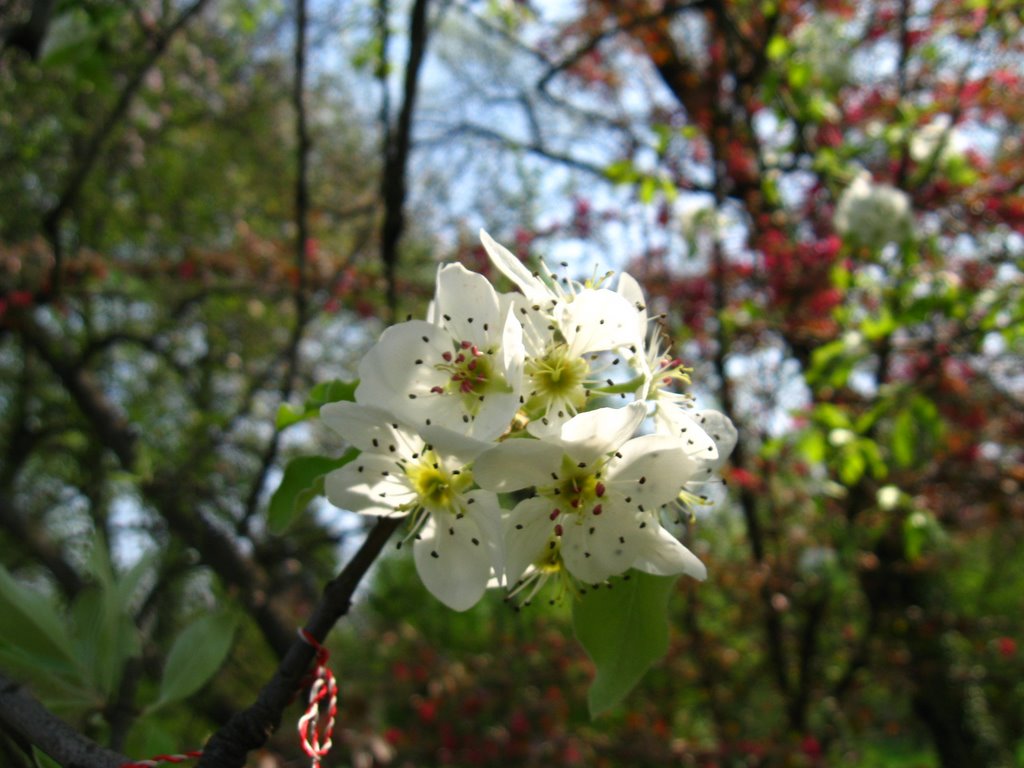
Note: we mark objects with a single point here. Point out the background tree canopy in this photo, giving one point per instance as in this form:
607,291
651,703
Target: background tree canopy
208,211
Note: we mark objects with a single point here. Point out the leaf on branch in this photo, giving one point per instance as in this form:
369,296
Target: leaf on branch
302,482
198,652
325,392
624,629
32,629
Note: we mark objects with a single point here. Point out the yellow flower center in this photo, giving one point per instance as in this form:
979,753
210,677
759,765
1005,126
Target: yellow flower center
557,377
436,488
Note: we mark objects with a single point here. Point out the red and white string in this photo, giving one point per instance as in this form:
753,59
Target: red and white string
159,759
323,706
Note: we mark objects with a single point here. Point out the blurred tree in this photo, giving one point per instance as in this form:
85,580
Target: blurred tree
203,214
186,245
869,348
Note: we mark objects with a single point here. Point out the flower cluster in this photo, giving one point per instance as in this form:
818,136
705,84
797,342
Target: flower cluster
554,396
873,215
821,44
938,141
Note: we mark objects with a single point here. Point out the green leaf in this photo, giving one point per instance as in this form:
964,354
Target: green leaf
32,627
624,629
778,48
325,392
69,35
647,189
812,446
43,760
302,482
198,652
621,172
904,439
799,74
832,416
104,635
873,456
831,362
105,638
852,464
875,327
128,582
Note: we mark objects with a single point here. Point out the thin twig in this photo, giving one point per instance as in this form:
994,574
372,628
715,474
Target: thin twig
250,728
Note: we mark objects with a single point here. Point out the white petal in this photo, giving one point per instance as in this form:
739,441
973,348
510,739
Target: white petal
485,510
362,486
453,561
631,291
528,531
448,442
535,321
596,433
721,430
494,416
515,464
597,547
599,319
402,363
650,471
513,269
678,422
370,429
399,372
663,555
467,306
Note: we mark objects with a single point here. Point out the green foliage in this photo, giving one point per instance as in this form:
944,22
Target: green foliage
325,392
916,430
106,637
196,655
33,633
179,300
302,482
624,630
43,760
921,531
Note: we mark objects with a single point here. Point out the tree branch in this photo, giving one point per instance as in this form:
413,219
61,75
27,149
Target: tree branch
303,145
90,154
22,715
164,491
396,155
33,538
250,728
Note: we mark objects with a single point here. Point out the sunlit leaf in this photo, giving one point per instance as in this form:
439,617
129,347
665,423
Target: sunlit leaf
302,482
778,47
325,392
904,439
624,629
812,446
851,464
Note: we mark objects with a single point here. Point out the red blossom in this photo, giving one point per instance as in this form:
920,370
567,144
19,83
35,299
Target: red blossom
426,710
20,298
1007,647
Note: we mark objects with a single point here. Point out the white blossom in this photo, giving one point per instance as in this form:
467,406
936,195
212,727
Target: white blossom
873,215
565,328
463,371
497,393
455,526
598,491
938,142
